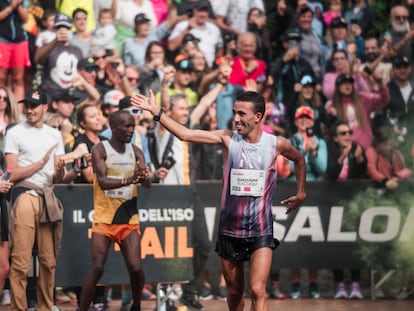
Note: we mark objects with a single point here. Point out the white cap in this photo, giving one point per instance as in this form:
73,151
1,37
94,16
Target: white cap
113,97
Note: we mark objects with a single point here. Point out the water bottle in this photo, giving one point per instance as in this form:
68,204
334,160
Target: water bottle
162,303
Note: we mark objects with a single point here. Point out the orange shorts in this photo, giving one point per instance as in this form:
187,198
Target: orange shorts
14,55
117,233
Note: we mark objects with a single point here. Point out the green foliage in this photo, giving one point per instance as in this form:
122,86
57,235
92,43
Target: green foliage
385,255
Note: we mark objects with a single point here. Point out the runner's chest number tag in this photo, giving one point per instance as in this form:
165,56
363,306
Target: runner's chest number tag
247,182
121,192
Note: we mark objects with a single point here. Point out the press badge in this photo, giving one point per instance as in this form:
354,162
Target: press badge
124,192
247,182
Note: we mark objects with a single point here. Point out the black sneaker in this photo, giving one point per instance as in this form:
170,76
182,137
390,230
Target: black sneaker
191,300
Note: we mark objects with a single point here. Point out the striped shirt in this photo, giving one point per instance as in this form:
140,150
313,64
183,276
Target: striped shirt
244,216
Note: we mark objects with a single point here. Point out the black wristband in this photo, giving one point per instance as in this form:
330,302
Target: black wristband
158,116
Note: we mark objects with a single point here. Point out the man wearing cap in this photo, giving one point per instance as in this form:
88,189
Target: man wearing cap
111,103
59,58
338,40
84,82
181,80
189,46
134,49
288,69
401,91
35,167
211,41
63,105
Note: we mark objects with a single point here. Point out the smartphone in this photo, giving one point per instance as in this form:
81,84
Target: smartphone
114,65
189,13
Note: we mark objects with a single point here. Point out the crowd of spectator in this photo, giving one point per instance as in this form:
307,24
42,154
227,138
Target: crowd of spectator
340,92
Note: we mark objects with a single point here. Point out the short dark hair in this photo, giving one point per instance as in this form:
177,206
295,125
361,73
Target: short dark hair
77,10
255,98
116,118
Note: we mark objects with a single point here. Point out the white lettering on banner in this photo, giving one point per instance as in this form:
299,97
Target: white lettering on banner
407,232
306,223
367,220
335,233
165,215
279,213
78,217
335,224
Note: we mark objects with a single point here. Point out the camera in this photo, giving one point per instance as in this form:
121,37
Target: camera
168,162
310,131
83,162
292,44
189,13
114,65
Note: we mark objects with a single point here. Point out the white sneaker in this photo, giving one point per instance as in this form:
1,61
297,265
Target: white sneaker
5,298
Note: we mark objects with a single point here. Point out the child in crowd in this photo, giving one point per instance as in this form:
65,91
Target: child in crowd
105,33
48,24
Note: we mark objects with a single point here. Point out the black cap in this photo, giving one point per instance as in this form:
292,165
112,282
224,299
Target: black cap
292,34
125,102
339,22
202,5
307,79
86,63
34,96
140,18
63,20
65,94
400,60
190,38
184,64
343,78
304,9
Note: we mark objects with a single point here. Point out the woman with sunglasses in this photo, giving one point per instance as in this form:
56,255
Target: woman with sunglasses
346,160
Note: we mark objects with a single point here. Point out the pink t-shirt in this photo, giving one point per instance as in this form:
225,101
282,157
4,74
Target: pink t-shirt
160,8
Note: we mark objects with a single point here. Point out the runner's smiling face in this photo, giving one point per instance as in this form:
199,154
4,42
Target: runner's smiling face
244,117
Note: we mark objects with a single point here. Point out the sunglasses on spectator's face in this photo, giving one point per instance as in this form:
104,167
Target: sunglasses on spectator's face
80,17
132,79
95,58
401,17
343,133
4,98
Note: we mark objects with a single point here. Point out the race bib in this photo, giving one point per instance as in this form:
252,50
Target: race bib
120,193
247,182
